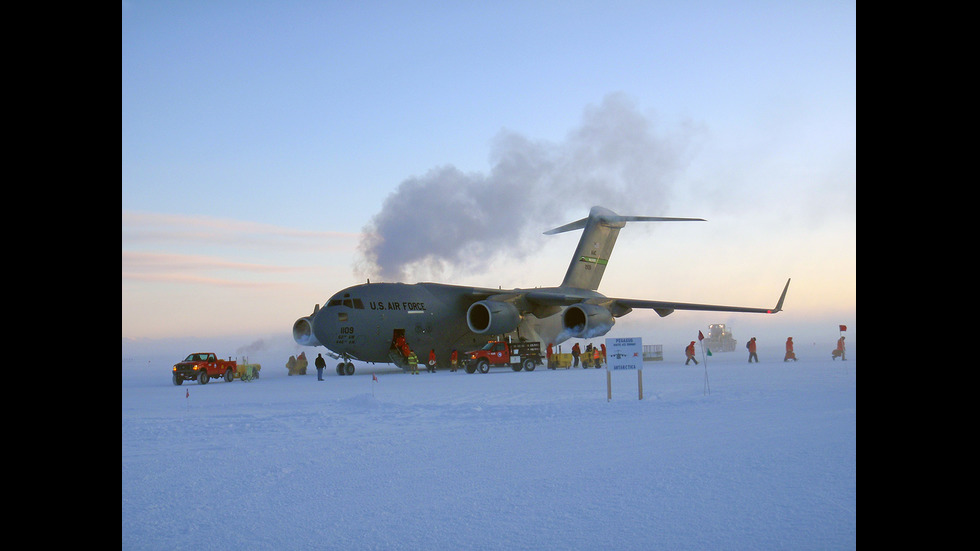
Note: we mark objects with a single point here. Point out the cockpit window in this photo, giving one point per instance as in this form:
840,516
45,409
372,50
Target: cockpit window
358,305
334,302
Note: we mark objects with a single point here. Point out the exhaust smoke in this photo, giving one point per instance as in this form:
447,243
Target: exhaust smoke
451,221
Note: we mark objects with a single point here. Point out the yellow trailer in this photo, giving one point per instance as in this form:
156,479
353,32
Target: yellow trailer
563,361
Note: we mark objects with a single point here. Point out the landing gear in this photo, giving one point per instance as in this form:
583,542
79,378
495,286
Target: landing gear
345,367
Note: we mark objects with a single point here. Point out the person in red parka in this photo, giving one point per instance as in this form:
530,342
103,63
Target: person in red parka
790,355
751,346
690,354
431,368
839,352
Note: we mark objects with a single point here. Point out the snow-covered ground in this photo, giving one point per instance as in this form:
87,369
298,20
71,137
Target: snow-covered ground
506,460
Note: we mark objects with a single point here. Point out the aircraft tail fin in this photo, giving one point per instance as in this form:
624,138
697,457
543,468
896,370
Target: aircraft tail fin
601,229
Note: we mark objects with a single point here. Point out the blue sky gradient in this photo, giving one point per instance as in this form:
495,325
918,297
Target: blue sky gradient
262,141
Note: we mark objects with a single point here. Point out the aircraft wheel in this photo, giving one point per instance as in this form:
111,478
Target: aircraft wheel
340,369
349,368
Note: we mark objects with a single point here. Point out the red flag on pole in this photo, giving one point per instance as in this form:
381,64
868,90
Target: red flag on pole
843,328
373,376
188,395
700,335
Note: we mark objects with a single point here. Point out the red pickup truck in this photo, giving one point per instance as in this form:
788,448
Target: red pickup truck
517,356
202,366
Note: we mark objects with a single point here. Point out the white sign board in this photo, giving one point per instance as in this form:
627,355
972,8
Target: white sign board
625,353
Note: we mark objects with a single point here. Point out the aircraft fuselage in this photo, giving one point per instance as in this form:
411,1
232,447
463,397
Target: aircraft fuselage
362,321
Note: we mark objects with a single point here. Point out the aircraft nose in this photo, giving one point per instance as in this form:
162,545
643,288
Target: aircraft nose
324,326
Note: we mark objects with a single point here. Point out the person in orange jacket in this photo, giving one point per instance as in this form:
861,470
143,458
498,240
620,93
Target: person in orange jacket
454,361
839,351
790,355
751,346
690,354
432,361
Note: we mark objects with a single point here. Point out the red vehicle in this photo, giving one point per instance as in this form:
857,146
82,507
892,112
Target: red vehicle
517,356
202,366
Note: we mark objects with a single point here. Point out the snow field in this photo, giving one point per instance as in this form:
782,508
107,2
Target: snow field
505,460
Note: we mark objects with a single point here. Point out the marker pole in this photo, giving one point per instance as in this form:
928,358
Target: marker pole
608,385
704,359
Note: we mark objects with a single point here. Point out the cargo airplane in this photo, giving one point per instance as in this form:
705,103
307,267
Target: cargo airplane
365,321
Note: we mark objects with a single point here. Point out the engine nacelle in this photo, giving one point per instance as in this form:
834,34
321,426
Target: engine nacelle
585,321
303,332
492,317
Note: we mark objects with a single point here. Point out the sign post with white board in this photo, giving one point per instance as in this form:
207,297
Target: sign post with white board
624,354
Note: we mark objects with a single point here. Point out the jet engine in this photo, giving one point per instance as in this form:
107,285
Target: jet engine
585,321
303,332
492,317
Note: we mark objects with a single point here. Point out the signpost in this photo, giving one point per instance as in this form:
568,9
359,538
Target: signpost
624,354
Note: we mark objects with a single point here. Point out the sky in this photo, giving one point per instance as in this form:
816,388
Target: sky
274,153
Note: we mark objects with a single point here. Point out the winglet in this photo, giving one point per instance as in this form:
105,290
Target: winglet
782,297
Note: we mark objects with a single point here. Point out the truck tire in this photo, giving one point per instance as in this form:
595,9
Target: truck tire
229,375
483,366
470,369
529,365
178,380
203,378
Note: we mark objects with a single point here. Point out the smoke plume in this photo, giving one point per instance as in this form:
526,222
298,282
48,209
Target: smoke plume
448,220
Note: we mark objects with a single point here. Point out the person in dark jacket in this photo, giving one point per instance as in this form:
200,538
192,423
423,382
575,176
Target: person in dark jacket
320,363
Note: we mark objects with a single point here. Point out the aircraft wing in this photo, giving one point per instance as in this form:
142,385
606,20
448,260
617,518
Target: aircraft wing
622,306
665,308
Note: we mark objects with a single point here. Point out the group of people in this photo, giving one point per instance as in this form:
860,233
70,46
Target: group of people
751,347
413,361
593,356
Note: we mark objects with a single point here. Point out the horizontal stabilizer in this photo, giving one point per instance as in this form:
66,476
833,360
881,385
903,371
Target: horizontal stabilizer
579,224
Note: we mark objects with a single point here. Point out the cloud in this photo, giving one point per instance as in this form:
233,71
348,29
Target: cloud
448,220
146,228
178,268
